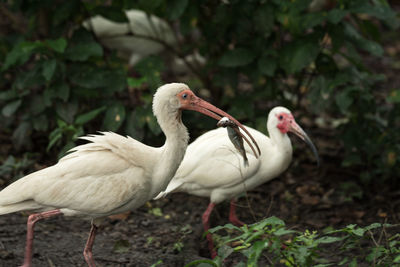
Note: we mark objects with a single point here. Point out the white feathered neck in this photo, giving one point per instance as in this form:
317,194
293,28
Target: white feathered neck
166,108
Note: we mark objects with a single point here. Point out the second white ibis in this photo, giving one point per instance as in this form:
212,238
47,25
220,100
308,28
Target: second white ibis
213,167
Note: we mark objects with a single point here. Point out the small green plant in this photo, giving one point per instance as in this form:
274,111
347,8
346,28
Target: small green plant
270,242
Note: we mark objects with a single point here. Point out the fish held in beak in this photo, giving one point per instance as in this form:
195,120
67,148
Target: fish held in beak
235,136
190,101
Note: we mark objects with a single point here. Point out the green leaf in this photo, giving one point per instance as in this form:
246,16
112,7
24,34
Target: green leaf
376,253
311,20
20,54
343,101
353,263
256,251
48,69
336,15
115,116
282,231
61,90
329,239
176,8
86,117
57,45
67,111
359,231
267,65
157,263
224,252
156,212
8,95
95,77
237,57
228,226
380,10
298,54
30,78
274,221
397,259
83,51
121,246
40,123
11,108
373,226
370,46
21,135
135,82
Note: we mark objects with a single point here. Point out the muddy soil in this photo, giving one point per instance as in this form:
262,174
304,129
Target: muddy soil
169,231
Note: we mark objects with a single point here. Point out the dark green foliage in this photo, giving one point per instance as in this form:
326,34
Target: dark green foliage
59,82
270,241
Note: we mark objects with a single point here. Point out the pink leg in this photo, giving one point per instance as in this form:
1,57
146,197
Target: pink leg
87,252
232,215
206,225
32,219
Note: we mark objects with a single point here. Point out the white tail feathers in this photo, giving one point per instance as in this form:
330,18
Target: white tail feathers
25,205
172,187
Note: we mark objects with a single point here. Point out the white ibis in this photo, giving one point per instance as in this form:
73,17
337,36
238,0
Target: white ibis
213,167
111,174
141,36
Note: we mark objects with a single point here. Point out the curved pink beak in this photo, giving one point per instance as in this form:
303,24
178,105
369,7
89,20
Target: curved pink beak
202,106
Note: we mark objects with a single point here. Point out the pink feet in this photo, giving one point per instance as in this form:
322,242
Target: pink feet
87,252
206,225
32,219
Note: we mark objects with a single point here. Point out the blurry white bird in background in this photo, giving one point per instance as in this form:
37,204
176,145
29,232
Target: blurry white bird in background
144,35
214,168
111,174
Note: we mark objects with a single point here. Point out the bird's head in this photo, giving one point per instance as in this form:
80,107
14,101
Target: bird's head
174,97
282,118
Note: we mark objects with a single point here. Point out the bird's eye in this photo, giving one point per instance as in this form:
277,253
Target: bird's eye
280,117
184,96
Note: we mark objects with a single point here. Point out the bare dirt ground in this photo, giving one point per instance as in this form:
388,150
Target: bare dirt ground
304,197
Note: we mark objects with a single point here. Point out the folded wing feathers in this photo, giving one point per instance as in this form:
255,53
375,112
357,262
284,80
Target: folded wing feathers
125,147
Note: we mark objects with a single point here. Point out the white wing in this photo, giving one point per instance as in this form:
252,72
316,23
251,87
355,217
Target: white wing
98,177
212,161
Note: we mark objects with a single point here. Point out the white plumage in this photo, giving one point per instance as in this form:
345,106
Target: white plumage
135,38
212,167
142,36
110,174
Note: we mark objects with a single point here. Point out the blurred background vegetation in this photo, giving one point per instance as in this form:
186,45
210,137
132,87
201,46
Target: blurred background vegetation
64,75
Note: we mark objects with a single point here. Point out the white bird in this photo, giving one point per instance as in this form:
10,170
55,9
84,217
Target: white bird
141,36
111,174
136,38
214,168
